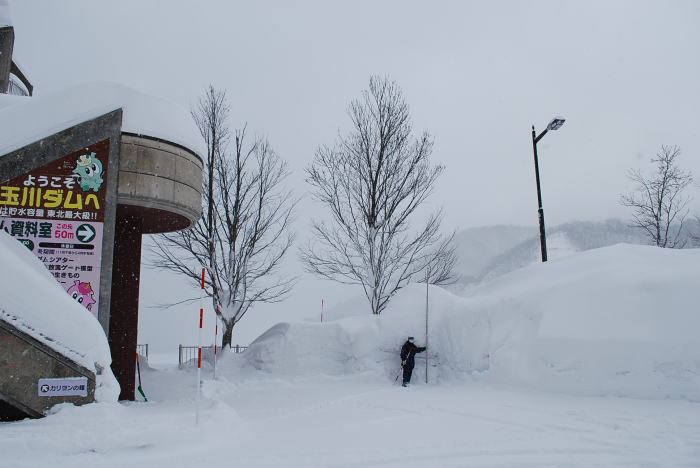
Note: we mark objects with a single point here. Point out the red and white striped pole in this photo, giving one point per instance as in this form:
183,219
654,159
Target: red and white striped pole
199,348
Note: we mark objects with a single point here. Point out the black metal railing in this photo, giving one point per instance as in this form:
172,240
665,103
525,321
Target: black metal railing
187,355
142,350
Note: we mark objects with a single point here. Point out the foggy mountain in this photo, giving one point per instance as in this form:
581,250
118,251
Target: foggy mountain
485,253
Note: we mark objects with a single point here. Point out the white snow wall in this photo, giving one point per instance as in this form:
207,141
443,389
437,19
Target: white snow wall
620,320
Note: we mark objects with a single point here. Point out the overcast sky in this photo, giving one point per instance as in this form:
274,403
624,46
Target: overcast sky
476,75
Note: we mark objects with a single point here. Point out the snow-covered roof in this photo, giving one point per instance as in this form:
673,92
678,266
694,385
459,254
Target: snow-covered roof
5,18
34,302
26,120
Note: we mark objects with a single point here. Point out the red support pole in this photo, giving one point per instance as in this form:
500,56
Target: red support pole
199,348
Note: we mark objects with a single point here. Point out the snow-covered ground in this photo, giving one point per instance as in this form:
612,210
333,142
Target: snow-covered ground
590,360
355,421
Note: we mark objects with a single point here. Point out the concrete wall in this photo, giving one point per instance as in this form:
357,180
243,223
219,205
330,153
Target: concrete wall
7,40
23,361
155,174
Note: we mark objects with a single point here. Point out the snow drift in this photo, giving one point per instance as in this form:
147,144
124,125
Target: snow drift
618,320
32,301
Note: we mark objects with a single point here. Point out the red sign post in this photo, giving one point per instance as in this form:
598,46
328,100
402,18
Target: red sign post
199,347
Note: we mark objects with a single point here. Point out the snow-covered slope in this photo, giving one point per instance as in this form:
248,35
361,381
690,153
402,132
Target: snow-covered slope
616,320
619,320
32,301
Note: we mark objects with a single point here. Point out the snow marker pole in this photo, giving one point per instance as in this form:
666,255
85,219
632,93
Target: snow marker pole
321,310
199,350
138,369
426,326
397,375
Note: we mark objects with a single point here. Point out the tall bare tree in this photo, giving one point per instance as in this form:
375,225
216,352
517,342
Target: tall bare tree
246,234
211,115
373,180
658,203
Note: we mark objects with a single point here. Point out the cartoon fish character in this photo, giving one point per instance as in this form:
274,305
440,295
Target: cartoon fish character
82,294
89,171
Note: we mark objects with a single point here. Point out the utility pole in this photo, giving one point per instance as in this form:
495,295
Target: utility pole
426,325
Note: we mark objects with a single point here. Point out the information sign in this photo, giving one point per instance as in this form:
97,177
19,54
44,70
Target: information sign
70,386
57,211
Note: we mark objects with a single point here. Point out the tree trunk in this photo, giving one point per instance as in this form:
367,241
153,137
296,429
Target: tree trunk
228,330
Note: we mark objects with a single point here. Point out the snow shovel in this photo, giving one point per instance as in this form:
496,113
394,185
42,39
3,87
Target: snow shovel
138,369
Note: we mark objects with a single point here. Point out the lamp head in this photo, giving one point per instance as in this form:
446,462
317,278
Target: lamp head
556,123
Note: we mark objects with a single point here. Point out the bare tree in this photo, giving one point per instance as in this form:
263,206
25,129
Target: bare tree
695,235
246,233
658,204
373,180
211,115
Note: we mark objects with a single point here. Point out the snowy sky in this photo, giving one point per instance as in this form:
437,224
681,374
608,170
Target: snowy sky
477,75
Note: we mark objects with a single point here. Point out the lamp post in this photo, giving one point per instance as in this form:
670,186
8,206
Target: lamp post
555,124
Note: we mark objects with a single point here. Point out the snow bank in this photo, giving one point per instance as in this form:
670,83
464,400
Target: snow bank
26,120
32,301
10,100
619,320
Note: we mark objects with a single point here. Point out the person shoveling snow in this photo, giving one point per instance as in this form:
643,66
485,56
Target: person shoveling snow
408,352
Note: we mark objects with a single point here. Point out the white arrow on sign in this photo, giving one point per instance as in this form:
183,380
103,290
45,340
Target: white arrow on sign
85,233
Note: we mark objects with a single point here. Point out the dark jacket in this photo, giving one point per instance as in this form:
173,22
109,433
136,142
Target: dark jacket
408,351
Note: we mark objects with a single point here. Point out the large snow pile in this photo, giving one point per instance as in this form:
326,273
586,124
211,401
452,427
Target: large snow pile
26,120
619,320
32,301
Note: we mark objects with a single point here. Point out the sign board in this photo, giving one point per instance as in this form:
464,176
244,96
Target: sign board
70,386
58,211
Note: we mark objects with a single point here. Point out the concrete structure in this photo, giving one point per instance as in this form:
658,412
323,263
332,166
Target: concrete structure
162,180
11,76
22,359
149,184
159,190
7,41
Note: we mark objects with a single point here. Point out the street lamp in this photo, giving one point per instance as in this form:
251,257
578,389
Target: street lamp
555,124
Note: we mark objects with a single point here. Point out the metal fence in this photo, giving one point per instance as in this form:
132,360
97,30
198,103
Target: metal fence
142,350
187,355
